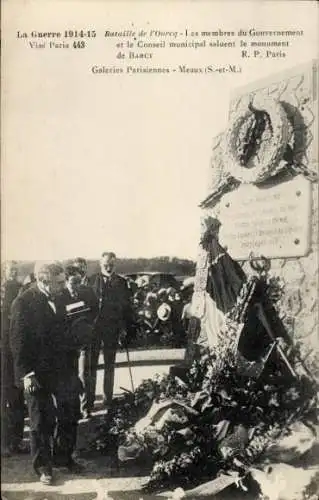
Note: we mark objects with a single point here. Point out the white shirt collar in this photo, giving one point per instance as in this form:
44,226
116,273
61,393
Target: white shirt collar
71,292
42,289
50,301
108,276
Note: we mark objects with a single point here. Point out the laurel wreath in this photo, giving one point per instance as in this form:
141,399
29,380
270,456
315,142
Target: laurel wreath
256,141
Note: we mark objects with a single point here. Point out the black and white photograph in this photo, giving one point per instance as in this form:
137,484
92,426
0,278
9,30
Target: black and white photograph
159,250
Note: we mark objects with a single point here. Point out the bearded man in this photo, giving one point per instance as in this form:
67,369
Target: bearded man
114,316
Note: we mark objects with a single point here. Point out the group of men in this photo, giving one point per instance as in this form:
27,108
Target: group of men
52,332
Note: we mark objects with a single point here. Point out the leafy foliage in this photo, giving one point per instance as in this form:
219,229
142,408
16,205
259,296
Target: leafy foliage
235,416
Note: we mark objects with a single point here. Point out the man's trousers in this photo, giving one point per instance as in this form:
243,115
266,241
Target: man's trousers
106,339
42,423
54,415
12,404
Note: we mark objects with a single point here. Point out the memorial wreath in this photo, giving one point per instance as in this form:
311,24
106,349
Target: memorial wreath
256,141
215,419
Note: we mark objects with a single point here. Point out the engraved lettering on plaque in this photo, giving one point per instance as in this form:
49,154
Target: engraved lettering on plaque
274,221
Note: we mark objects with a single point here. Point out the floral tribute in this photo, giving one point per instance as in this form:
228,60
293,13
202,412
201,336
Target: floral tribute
222,421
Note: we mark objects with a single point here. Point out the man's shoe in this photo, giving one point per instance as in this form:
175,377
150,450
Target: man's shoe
46,478
75,467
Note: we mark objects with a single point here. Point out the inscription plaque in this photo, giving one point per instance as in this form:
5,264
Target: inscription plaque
273,221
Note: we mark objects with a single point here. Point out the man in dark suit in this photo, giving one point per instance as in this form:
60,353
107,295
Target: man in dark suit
12,399
36,335
81,307
114,317
81,264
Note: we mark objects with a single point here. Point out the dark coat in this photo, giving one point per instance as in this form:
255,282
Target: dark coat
9,291
87,294
79,324
114,301
36,336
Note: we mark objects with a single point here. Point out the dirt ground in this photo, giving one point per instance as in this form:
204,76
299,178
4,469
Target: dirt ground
104,478
102,473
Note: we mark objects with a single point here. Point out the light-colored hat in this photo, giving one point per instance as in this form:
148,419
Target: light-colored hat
188,282
164,312
142,281
148,313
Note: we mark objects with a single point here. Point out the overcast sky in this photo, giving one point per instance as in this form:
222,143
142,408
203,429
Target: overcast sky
97,162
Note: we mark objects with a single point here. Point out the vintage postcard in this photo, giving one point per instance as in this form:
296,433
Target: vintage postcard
159,286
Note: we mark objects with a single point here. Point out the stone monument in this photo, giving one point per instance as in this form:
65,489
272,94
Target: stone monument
264,191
